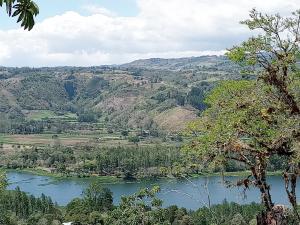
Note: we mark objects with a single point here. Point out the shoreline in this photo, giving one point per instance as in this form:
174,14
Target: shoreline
60,176
114,179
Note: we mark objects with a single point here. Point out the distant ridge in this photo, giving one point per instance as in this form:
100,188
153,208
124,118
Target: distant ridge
175,63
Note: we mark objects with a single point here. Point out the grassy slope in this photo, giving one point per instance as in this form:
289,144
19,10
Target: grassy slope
175,119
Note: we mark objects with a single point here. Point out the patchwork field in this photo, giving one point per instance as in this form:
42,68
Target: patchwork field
47,114
10,142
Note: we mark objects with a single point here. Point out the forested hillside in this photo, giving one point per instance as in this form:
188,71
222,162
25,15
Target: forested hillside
152,95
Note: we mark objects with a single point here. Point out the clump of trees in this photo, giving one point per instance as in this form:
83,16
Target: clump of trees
252,121
16,207
125,162
144,207
87,118
235,214
96,201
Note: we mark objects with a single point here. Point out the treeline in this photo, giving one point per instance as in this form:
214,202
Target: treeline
126,162
55,126
33,127
17,206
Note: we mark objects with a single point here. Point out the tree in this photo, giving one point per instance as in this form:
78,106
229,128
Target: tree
251,121
140,208
275,54
77,211
3,181
134,139
98,198
125,133
24,10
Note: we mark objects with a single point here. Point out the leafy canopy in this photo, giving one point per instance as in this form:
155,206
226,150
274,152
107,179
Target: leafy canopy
243,121
251,121
273,53
24,10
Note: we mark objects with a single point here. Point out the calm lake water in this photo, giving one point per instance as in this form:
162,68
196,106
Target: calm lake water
189,194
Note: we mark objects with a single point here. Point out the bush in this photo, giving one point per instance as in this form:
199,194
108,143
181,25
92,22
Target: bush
87,118
134,139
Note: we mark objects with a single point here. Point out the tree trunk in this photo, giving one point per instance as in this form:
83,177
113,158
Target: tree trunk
290,180
259,173
277,216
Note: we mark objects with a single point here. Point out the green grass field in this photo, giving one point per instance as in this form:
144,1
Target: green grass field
4,139
99,135
47,114
66,139
40,114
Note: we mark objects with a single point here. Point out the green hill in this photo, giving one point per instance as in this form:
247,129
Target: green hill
145,94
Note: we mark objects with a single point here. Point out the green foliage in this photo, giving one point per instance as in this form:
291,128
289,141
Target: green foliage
96,201
251,122
71,88
25,10
77,211
98,198
17,206
196,98
96,208
140,208
227,213
3,181
125,162
275,48
125,133
134,139
87,118
41,92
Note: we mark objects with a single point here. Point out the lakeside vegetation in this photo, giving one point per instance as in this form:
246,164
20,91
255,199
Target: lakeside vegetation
127,162
61,176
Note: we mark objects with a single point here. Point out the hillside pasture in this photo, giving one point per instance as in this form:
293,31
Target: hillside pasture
39,115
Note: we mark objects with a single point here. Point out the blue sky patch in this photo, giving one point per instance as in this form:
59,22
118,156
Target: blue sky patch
50,8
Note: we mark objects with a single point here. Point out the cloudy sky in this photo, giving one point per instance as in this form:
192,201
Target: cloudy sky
97,32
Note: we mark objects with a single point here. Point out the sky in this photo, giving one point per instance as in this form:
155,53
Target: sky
101,32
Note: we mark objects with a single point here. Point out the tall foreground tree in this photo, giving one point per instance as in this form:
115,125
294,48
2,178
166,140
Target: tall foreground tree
252,121
98,198
24,10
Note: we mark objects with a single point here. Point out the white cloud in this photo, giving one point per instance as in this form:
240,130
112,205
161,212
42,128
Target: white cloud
163,28
95,9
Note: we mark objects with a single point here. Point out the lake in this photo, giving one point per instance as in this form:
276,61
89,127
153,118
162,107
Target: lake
190,194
